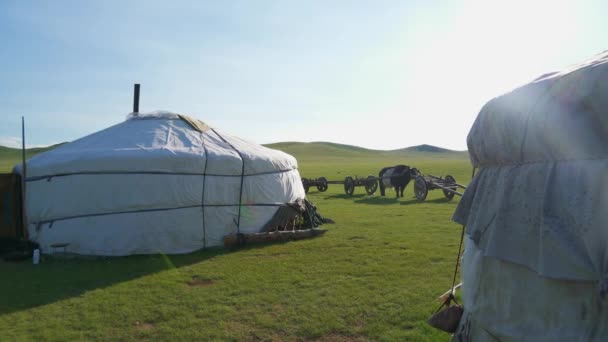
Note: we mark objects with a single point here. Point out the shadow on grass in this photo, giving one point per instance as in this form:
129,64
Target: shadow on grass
345,196
25,286
314,191
376,200
436,200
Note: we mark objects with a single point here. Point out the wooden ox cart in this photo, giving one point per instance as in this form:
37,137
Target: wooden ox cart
423,184
370,183
320,183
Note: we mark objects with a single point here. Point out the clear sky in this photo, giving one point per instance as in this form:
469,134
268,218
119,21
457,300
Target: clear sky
377,74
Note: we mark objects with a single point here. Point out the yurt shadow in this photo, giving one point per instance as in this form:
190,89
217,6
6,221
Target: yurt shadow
345,196
378,200
57,279
255,246
434,201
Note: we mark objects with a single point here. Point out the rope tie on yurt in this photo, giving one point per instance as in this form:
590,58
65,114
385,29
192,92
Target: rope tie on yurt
238,222
204,187
451,297
238,219
448,319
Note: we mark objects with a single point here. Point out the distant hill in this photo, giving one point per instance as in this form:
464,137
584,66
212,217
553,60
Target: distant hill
301,149
30,152
318,144
328,149
429,148
288,145
9,157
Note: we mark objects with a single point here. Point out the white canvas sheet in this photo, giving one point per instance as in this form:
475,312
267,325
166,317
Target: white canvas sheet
536,261
562,116
541,194
508,302
122,179
166,231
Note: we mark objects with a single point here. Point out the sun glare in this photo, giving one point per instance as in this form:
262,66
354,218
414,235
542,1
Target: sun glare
486,48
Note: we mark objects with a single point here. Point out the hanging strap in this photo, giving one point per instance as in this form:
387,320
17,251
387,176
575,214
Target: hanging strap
457,262
451,297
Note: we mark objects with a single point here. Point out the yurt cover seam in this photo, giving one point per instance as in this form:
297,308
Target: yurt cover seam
203,191
89,173
156,209
238,219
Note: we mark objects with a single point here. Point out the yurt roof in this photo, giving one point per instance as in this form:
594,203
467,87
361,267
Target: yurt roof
559,116
540,197
159,142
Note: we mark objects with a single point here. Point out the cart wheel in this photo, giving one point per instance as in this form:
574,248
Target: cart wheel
449,180
305,184
371,185
420,188
349,185
322,184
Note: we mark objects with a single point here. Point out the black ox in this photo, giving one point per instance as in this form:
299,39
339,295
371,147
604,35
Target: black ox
396,176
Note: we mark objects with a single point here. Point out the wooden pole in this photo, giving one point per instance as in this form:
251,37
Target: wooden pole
136,98
24,232
447,293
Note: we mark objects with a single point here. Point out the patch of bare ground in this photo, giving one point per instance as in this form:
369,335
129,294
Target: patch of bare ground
356,238
197,281
254,336
144,326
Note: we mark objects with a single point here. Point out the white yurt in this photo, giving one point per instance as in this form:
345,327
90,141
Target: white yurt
155,183
535,266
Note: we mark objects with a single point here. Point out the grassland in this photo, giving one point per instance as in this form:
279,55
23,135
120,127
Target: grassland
373,276
9,157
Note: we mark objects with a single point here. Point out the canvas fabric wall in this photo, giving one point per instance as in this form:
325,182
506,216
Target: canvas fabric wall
505,301
152,184
541,193
535,213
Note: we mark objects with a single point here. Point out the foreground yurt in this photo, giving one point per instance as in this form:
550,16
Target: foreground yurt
535,266
156,183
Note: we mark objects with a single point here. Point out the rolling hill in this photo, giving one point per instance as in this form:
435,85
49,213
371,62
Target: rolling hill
9,157
302,151
328,149
9,152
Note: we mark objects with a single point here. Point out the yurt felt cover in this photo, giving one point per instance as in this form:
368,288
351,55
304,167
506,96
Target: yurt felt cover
540,198
154,184
535,265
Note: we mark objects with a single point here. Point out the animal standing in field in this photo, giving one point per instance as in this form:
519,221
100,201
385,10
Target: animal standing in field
396,176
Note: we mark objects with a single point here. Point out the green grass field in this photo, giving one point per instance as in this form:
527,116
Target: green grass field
373,276
9,157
